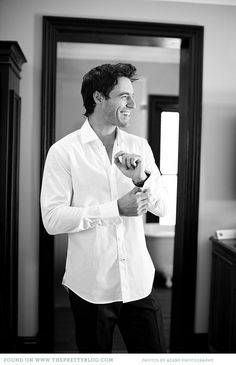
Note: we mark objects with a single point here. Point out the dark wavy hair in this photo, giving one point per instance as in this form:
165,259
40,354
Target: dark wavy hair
103,79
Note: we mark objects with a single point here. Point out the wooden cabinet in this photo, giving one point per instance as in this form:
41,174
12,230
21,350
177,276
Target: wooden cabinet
11,60
222,315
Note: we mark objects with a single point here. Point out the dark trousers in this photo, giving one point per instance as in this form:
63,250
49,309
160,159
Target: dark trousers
140,324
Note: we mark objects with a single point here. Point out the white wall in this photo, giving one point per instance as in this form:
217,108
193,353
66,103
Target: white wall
22,21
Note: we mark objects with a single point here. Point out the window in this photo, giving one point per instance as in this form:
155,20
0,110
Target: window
169,160
163,138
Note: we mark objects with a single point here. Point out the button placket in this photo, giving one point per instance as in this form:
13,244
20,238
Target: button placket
107,166
122,262
124,278
113,170
122,256
112,179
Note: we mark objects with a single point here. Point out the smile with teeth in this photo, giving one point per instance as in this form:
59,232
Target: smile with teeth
126,113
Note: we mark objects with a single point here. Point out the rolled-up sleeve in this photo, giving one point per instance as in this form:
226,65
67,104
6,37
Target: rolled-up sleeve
158,194
58,214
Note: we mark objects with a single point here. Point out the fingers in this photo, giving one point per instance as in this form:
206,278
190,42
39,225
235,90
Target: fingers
136,190
134,203
142,197
142,202
131,161
117,157
118,154
143,208
127,160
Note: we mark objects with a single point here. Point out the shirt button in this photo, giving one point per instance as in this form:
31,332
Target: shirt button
122,260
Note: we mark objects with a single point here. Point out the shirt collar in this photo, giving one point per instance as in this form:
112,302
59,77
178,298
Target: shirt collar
88,135
119,136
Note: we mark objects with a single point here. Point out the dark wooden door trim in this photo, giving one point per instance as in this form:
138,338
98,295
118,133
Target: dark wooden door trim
57,29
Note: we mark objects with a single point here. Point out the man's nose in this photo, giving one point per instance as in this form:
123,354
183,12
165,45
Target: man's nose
131,103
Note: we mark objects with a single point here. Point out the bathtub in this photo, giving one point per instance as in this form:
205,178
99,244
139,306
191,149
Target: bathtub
160,244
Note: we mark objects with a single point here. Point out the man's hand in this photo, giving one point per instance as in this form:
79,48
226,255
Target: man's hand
134,203
131,166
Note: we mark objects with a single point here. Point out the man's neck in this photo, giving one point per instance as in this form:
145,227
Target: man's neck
107,134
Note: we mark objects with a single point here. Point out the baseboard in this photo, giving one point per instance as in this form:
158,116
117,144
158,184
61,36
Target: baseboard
200,343
197,343
28,345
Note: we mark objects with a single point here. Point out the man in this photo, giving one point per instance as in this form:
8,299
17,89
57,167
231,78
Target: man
98,182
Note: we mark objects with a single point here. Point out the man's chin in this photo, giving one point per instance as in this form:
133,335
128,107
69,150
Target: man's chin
124,124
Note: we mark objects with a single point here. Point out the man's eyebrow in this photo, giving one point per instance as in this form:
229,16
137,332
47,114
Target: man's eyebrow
125,93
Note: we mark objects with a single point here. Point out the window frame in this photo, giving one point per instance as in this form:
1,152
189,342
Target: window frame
156,105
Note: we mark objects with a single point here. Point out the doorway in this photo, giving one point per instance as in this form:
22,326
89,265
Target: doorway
97,31
73,61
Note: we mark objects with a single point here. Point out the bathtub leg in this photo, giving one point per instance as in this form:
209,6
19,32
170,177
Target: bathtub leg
169,282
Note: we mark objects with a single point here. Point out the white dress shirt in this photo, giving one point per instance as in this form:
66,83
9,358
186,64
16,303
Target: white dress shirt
107,258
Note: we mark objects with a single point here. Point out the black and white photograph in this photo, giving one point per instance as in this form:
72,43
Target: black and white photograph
118,181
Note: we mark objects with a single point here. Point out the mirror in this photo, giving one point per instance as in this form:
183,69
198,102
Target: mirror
158,74
141,34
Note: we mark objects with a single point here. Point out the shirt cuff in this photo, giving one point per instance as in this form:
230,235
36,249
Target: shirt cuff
151,182
141,183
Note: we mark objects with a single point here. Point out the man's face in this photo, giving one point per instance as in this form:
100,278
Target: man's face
117,108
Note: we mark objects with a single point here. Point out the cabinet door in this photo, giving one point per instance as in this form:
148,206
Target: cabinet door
222,305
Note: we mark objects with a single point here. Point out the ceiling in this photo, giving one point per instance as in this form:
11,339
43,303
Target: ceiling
206,2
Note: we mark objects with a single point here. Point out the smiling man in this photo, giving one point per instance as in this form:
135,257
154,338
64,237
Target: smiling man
98,182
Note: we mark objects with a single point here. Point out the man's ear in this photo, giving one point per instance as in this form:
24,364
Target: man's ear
98,97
